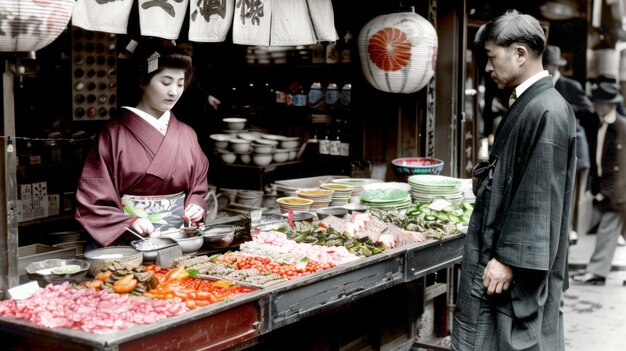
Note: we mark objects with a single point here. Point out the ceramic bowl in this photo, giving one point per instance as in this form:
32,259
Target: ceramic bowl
220,141
57,271
245,157
293,153
280,155
263,149
240,145
406,166
249,136
234,123
290,143
228,156
100,259
273,137
262,159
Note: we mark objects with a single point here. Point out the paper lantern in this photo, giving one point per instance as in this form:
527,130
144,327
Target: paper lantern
29,25
398,52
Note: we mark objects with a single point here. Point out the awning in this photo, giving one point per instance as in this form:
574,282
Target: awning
254,22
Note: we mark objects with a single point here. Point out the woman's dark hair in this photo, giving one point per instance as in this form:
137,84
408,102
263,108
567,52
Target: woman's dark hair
513,27
164,54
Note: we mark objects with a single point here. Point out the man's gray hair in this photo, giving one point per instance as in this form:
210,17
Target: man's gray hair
513,27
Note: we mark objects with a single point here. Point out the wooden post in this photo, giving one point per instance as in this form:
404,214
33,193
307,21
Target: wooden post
8,182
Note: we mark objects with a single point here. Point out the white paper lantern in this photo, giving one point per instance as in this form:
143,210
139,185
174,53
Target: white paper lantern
398,52
29,25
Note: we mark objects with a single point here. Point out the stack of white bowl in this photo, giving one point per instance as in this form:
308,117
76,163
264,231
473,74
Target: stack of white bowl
297,204
263,151
321,197
341,193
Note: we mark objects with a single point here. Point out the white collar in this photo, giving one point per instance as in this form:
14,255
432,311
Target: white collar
519,90
159,124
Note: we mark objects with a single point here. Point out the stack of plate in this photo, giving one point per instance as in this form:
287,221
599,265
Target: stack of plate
341,193
426,187
387,198
357,184
64,237
321,197
294,203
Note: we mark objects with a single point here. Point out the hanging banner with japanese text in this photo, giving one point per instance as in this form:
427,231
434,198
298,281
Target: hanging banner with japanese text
109,16
210,20
162,18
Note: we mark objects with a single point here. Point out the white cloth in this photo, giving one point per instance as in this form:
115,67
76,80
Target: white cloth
608,119
252,24
291,23
323,18
163,19
102,16
159,123
210,23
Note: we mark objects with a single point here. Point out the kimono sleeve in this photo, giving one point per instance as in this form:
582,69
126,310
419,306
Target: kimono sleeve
98,205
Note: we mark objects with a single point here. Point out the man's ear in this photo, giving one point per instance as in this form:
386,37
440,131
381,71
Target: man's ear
521,53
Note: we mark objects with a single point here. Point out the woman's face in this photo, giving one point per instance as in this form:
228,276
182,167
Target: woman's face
164,90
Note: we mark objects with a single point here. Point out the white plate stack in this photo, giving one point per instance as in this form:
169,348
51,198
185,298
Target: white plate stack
341,193
358,184
320,197
297,204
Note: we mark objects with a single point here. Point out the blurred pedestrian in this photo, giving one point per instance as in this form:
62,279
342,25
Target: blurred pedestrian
607,181
574,93
514,266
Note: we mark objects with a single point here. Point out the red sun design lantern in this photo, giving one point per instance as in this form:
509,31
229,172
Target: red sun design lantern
398,52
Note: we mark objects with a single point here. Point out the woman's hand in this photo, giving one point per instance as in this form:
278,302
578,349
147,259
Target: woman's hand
193,214
142,226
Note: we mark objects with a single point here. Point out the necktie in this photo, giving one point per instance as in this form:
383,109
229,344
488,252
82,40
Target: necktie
512,98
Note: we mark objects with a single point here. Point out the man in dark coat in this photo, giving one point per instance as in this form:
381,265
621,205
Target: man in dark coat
513,272
607,181
573,92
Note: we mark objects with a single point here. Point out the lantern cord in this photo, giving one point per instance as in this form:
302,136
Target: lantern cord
69,140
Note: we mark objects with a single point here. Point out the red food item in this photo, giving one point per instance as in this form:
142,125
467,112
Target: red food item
389,49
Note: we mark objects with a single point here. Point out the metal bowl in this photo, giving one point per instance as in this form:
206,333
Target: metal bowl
150,246
100,259
57,271
324,212
219,236
188,243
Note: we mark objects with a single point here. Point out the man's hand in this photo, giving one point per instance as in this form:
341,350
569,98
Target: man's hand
497,277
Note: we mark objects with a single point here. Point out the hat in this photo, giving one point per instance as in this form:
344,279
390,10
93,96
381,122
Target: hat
606,78
605,92
552,56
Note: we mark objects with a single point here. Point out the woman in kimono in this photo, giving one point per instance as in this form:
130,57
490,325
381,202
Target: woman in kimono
146,171
514,267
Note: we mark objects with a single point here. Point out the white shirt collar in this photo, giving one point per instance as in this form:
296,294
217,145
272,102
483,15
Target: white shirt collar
159,124
519,90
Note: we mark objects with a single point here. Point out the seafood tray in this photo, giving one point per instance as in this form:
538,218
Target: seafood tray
238,282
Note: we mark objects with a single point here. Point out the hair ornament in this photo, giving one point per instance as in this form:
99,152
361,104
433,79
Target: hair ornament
153,62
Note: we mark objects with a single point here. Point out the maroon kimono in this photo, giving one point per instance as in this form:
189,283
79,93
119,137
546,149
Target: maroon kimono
132,157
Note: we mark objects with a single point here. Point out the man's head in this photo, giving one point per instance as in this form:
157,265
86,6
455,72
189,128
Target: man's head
605,96
514,44
552,59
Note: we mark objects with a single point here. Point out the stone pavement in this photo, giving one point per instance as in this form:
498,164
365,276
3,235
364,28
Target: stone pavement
595,316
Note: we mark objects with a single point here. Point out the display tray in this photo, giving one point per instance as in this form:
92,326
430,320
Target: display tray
422,259
291,185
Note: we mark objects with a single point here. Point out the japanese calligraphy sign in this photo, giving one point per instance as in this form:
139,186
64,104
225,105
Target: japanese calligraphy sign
162,18
29,25
102,15
210,20
252,22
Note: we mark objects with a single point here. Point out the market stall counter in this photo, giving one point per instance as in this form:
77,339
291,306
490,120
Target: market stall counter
244,318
